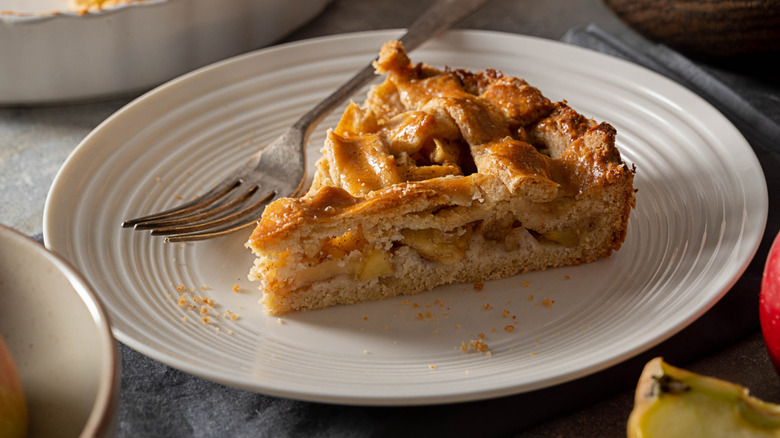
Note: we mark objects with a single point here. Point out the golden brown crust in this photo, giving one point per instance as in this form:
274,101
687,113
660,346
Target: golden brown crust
445,176
284,218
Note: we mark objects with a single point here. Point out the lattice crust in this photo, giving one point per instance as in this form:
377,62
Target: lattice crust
443,176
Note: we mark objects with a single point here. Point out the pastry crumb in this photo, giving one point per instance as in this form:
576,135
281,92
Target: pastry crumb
479,345
475,345
229,315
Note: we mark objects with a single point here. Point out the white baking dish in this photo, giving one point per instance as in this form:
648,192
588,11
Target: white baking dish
49,54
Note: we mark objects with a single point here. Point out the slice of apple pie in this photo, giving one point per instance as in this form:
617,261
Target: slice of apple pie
443,176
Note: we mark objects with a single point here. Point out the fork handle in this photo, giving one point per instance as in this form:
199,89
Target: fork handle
438,18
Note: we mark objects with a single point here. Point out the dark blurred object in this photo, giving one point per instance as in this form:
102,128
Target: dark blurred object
709,28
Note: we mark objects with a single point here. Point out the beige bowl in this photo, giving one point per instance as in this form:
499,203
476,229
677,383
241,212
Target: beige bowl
60,338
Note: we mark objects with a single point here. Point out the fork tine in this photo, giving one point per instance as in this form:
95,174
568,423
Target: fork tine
199,216
232,219
204,235
226,229
203,201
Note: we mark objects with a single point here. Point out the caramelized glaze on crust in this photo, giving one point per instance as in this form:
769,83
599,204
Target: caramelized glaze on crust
443,174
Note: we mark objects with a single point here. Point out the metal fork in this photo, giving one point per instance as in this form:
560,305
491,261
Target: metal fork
279,169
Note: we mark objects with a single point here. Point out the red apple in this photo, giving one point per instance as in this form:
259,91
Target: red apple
13,406
769,303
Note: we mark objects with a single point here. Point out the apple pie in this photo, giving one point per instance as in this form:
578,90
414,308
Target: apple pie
443,176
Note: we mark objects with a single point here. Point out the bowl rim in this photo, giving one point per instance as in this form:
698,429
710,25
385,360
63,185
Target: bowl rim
101,419
12,17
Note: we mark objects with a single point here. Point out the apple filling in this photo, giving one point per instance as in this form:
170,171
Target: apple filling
437,246
352,255
349,254
562,237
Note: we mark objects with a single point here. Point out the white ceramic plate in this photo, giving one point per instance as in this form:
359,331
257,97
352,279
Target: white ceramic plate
701,211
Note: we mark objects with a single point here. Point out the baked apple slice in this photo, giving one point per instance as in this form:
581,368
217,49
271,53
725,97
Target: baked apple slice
671,402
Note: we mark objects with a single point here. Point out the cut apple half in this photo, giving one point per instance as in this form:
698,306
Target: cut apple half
671,402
